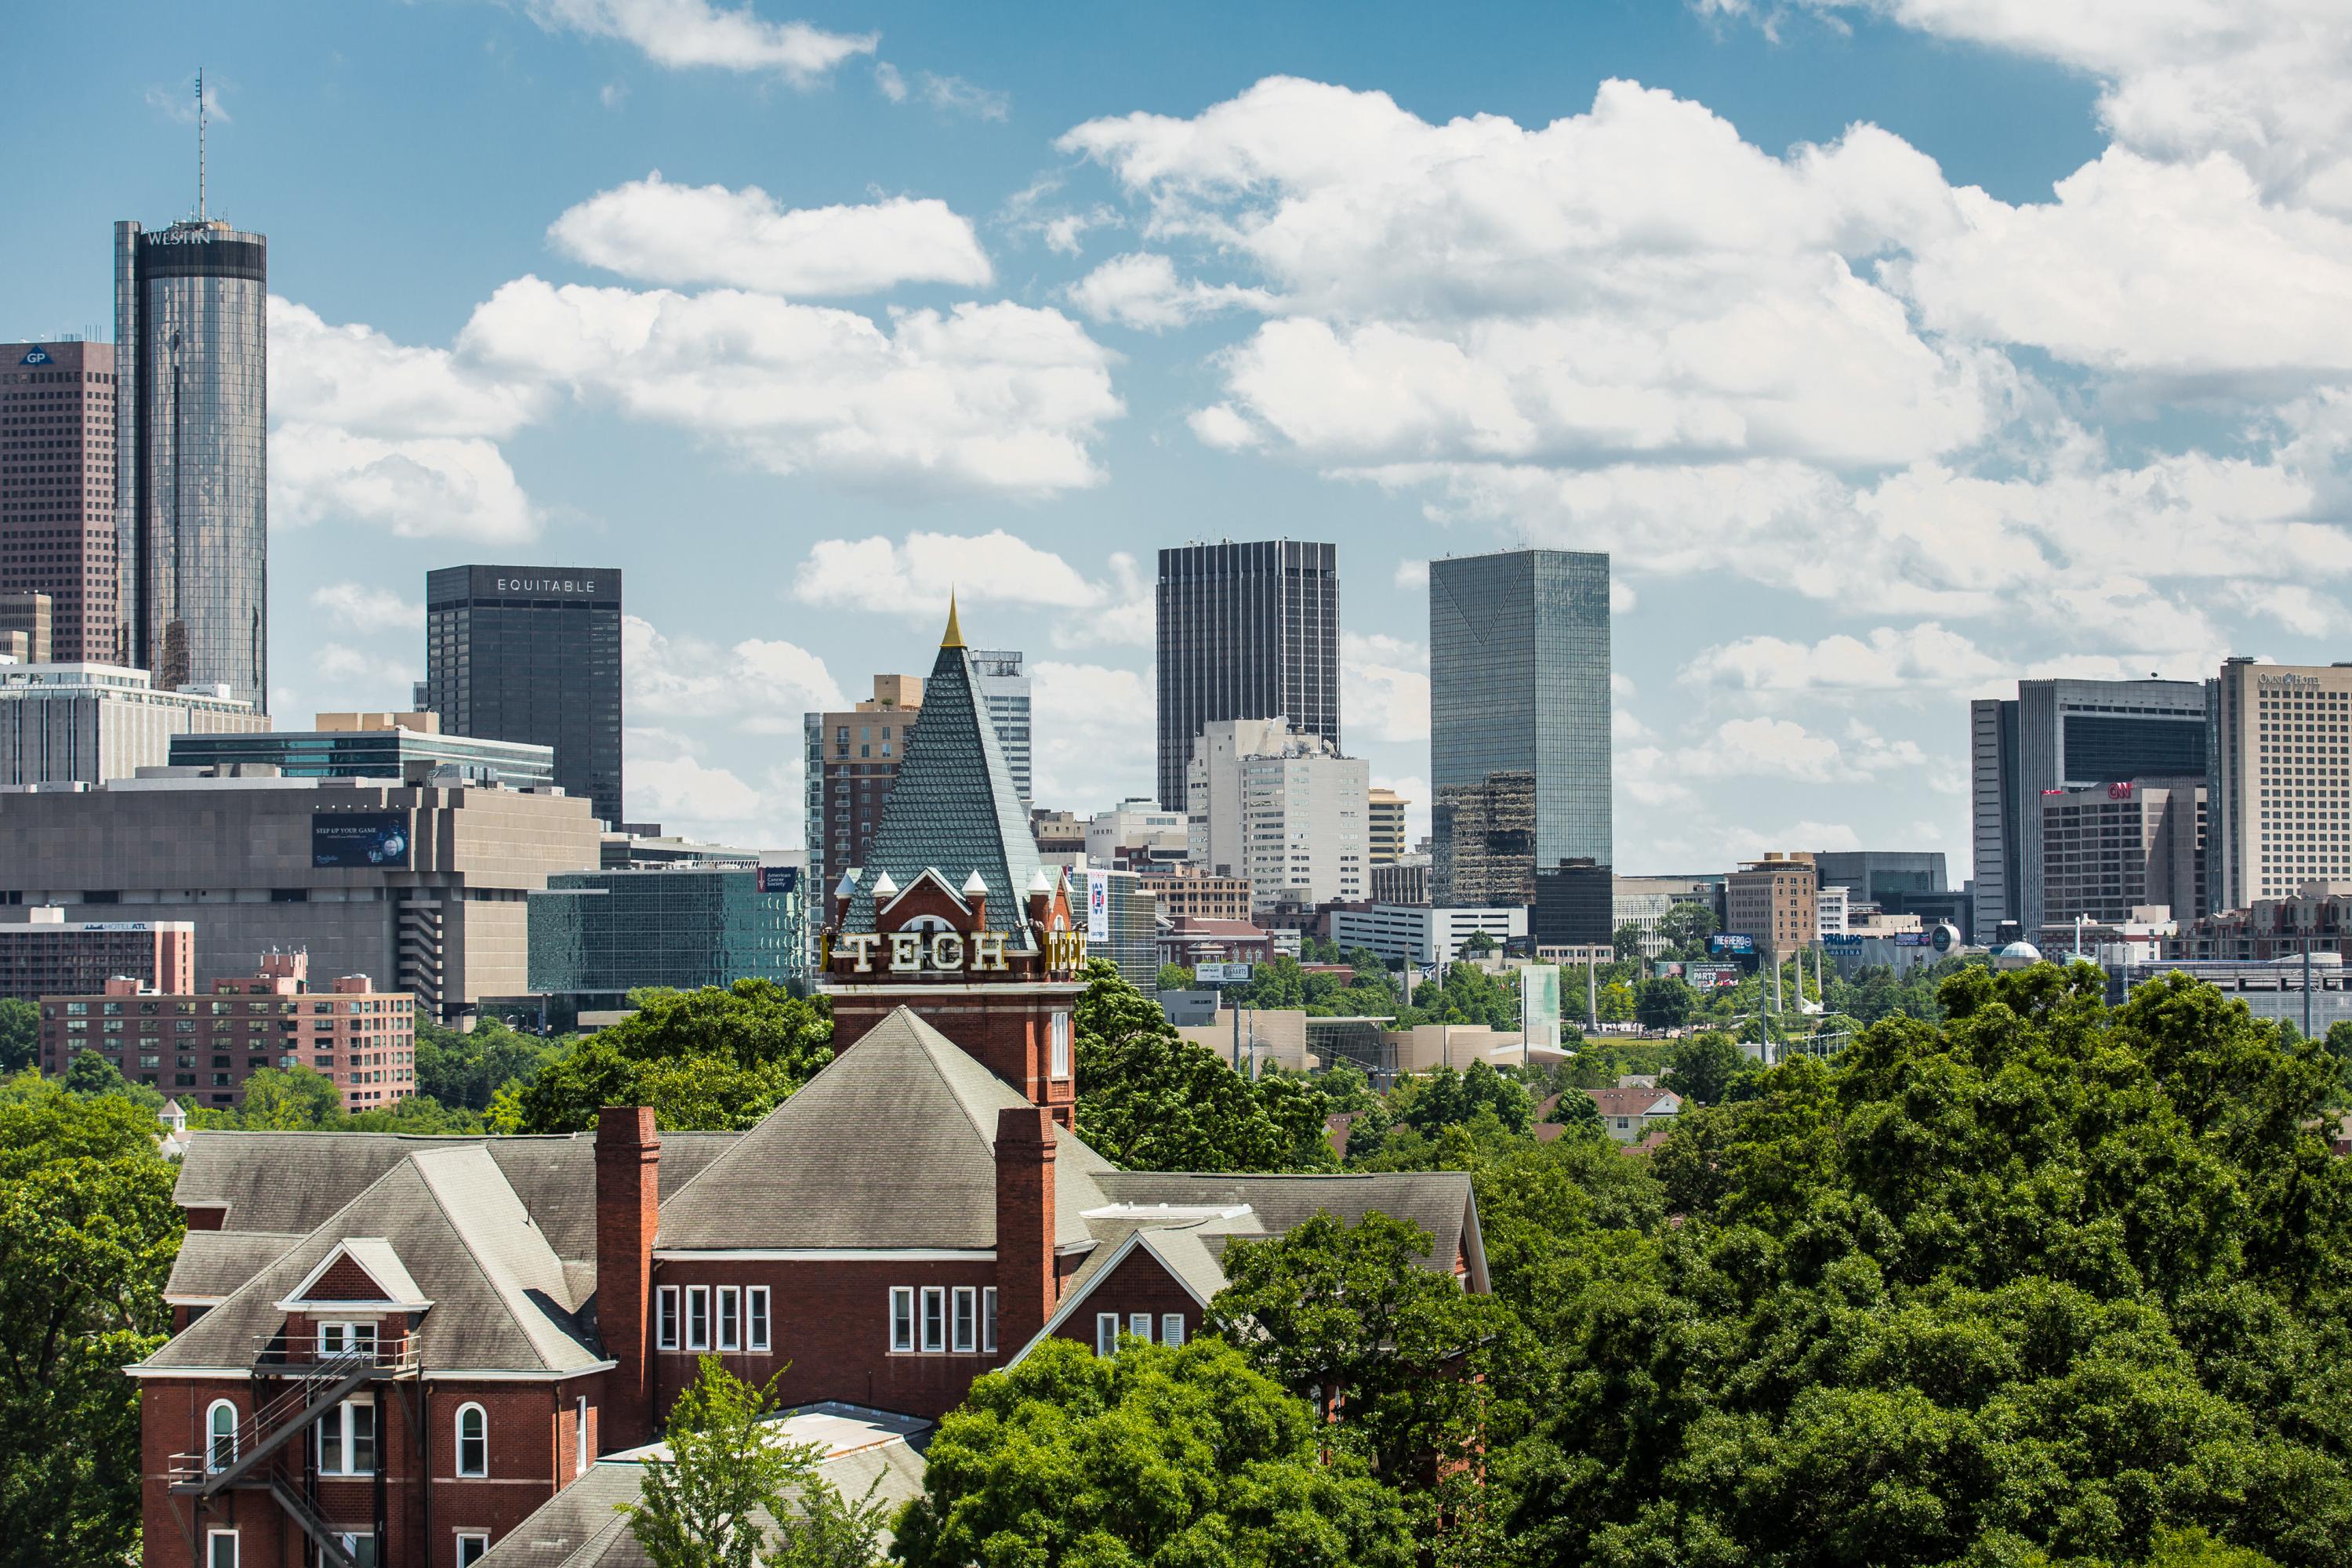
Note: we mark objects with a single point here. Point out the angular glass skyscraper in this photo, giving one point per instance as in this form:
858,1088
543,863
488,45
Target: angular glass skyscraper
1245,631
532,653
1518,730
191,487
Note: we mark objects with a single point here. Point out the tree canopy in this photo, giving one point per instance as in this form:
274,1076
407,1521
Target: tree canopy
2047,1283
88,1232
1174,1458
710,1060
1150,1100
20,1034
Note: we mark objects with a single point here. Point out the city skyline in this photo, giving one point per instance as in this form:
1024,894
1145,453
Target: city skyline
1949,480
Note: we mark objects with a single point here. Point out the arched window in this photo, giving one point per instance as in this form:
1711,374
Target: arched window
473,1441
220,1436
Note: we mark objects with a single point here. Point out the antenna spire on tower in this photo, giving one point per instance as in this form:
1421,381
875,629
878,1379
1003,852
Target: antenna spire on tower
200,143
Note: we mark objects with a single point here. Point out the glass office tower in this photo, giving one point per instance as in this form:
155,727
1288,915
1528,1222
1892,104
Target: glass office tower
1518,732
1005,690
191,487
532,653
1245,631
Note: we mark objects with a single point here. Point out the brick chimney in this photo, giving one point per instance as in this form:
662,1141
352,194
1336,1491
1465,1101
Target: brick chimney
628,1211
1027,1290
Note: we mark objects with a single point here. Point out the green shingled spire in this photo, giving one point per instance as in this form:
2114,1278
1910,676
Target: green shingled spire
952,808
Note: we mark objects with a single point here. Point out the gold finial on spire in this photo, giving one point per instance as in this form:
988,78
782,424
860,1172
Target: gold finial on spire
954,637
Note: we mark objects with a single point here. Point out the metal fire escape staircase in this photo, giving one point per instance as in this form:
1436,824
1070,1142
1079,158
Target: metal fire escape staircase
311,1388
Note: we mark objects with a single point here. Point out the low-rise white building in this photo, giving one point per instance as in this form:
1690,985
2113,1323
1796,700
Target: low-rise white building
94,723
1421,937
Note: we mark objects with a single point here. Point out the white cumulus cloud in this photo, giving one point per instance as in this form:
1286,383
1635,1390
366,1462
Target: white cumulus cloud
696,33
666,233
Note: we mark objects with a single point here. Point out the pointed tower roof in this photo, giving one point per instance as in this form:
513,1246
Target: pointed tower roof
952,808
953,636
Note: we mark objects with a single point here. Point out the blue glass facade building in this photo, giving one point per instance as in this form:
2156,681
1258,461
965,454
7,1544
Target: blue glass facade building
595,936
371,754
1518,739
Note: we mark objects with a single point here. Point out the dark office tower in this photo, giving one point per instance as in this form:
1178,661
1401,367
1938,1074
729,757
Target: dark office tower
191,490
57,498
532,653
1246,631
2057,736
1518,734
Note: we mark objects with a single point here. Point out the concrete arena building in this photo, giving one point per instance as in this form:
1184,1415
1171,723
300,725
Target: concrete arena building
278,862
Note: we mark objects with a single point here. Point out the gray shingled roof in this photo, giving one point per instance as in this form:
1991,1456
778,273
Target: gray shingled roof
1437,1201
501,1298
214,1263
580,1528
891,1146
287,1184
952,806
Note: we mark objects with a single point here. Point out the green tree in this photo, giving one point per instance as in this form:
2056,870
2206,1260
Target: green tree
1477,944
2044,1282
467,1069
1627,939
1662,1002
88,1232
1575,1111
1704,1067
20,1034
1149,1100
290,1099
1616,1003
1175,977
713,1059
1686,926
1408,1361
732,1494
1152,1456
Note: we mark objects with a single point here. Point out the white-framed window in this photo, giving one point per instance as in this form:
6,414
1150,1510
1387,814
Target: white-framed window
580,1435
473,1546
902,1316
220,1436
361,1544
1140,1325
1060,1031
966,1338
935,1318
666,1318
730,1318
220,1549
988,1319
755,1317
473,1441
1106,1333
698,1317
347,1438
1171,1329
339,1339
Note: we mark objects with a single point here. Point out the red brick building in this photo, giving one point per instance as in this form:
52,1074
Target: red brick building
199,1049
413,1343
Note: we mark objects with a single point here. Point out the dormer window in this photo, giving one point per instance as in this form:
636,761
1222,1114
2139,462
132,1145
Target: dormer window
339,1339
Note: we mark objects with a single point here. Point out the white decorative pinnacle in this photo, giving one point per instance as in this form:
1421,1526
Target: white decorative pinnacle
883,887
1038,882
973,888
846,887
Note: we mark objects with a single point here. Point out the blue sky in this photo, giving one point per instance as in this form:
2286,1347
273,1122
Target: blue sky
1892,348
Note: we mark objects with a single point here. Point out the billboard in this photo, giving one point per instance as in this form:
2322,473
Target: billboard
780,879
1222,973
1730,941
364,841
1539,1006
1712,976
1098,907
